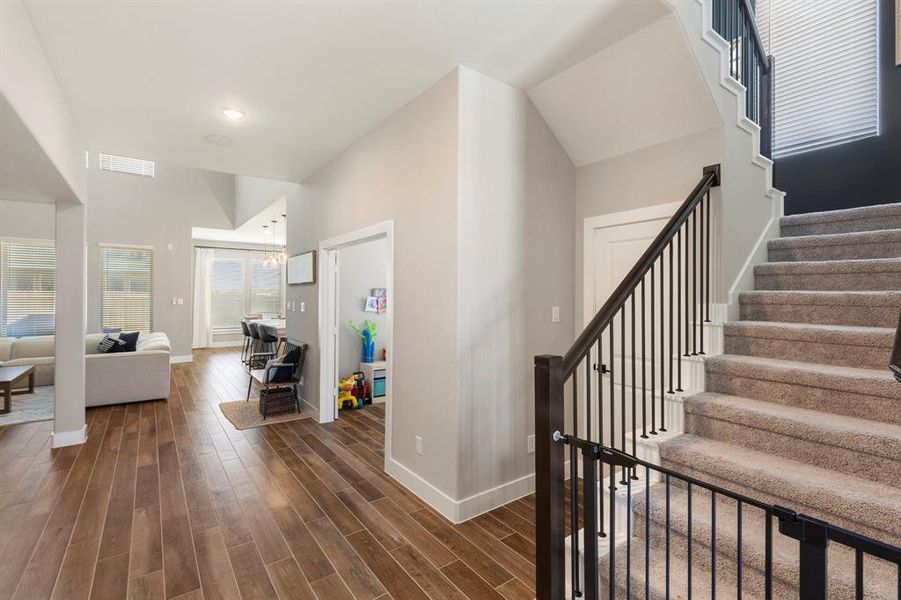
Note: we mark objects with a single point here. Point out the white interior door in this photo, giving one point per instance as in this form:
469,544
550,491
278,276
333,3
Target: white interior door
612,246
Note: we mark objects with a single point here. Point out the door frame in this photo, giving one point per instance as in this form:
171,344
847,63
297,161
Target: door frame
328,266
626,217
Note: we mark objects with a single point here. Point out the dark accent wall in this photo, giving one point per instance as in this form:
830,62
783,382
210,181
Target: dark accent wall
858,173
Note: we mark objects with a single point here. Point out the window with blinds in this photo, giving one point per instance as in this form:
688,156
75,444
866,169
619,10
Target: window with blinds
126,288
265,288
27,287
826,77
228,293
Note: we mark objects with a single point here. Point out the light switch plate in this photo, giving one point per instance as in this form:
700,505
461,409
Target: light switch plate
555,314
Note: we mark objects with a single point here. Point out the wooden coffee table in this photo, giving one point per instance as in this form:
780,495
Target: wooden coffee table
10,376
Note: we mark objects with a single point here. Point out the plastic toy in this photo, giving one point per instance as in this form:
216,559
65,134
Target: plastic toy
346,399
361,389
366,331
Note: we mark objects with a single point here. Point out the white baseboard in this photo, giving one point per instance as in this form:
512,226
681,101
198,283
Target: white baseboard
227,344
69,438
458,511
185,358
310,411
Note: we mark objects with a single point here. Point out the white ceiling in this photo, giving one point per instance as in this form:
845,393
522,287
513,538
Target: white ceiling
145,78
251,232
644,90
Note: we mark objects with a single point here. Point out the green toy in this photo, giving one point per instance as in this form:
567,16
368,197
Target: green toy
366,333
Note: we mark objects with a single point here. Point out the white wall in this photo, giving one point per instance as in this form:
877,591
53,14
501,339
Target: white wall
515,257
660,174
403,170
31,90
361,268
33,220
128,209
254,194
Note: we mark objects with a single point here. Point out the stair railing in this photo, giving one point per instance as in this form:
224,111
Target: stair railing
619,371
666,297
749,64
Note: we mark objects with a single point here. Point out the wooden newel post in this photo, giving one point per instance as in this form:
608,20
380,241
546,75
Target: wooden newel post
549,499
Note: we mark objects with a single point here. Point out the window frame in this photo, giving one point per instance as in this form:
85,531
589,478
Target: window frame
23,241
148,248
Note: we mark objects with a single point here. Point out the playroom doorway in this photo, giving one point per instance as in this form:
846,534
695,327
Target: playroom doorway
356,272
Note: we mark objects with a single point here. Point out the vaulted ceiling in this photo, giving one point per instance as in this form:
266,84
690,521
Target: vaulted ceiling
147,78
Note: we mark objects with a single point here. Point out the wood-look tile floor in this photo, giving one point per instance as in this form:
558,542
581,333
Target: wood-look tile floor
168,500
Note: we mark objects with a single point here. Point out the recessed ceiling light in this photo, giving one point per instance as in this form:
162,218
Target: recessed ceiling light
232,114
218,140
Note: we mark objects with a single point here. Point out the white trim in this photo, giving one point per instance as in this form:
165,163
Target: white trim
184,358
458,511
327,294
128,246
636,215
69,438
224,344
744,281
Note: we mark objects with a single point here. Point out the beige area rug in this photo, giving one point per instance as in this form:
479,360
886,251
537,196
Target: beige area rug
246,414
30,407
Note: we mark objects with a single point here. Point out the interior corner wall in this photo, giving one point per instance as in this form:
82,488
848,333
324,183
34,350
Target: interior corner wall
405,170
659,174
29,86
133,210
515,262
255,194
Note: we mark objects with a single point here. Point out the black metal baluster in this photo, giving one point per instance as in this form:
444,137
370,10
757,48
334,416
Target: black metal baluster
712,545
622,384
574,520
689,541
669,390
589,525
701,269
738,551
644,388
647,532
667,534
629,540
612,539
694,282
858,575
662,334
707,265
679,308
632,430
653,356
768,557
601,425
587,395
612,387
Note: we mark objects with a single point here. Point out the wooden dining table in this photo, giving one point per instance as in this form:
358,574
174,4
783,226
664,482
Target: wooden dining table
278,324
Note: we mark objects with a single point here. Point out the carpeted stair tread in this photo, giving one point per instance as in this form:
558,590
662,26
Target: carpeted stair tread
853,346
753,544
836,246
862,308
833,390
857,504
860,447
830,275
867,218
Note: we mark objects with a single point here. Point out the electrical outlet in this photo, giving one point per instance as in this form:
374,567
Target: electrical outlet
303,306
530,444
419,445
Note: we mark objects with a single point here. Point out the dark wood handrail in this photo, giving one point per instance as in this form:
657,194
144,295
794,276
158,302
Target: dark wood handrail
618,298
751,19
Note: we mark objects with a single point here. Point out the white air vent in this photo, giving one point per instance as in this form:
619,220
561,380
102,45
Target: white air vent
124,164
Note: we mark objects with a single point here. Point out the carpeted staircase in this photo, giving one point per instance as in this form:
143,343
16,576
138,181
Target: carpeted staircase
801,411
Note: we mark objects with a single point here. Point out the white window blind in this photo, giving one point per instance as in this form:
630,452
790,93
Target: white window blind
126,288
228,293
27,287
265,288
826,77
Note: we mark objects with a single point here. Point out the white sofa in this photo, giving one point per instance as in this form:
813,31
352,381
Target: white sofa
109,378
